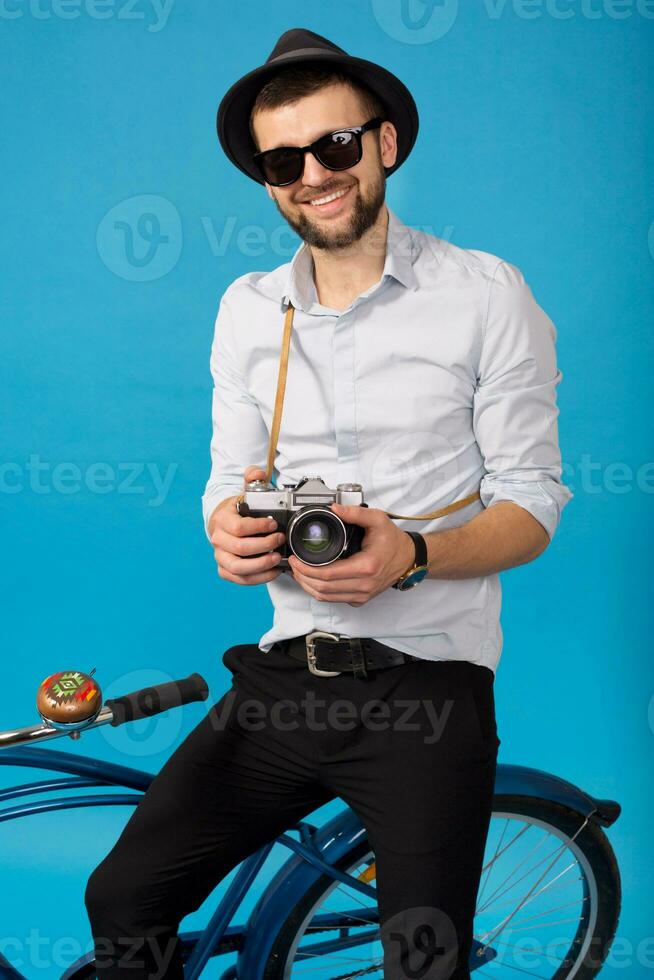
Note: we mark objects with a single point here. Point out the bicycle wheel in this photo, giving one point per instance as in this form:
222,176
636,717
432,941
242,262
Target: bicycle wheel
547,906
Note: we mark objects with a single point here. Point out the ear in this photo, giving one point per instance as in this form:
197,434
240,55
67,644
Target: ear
269,191
388,143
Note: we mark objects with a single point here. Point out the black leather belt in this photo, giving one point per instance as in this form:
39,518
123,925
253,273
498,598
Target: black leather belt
329,654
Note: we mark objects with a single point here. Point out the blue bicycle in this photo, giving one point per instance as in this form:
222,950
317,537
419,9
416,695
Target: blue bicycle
548,901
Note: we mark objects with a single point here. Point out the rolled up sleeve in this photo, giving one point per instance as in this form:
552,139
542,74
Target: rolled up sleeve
514,410
239,435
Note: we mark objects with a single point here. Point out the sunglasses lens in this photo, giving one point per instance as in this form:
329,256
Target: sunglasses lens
282,166
338,151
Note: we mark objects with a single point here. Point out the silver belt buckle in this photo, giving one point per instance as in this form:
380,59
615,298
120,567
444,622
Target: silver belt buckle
311,653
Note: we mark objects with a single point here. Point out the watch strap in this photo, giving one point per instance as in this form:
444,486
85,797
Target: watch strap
420,546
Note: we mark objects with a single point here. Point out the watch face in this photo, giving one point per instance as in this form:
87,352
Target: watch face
413,579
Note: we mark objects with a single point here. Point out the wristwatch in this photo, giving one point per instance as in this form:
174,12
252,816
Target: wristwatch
419,569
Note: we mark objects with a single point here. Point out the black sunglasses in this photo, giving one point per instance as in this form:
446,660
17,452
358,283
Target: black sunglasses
335,151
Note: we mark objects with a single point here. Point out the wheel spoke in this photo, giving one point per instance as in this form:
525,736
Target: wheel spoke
541,950
541,915
546,888
486,870
520,969
489,937
501,889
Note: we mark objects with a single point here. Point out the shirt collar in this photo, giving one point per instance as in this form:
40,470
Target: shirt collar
401,252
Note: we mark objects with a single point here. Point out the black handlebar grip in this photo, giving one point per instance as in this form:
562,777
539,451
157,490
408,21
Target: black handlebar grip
153,700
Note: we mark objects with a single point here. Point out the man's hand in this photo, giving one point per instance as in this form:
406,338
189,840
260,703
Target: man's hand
386,553
234,540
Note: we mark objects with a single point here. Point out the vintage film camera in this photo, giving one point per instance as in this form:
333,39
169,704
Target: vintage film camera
313,532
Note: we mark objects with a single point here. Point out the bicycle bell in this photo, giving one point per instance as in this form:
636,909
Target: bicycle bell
69,700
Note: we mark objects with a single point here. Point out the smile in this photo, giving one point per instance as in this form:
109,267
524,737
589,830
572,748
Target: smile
328,203
328,198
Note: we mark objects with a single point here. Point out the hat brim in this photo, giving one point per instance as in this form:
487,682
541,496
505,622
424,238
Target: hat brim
232,120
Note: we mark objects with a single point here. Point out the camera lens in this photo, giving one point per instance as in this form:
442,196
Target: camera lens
316,535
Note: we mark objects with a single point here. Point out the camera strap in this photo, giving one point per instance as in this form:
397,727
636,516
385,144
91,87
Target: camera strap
277,417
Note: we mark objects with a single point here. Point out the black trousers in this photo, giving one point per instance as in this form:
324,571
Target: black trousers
411,749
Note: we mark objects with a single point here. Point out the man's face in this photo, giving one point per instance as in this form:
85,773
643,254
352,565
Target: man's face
338,222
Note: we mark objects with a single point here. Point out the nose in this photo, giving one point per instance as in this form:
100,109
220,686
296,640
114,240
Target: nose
314,174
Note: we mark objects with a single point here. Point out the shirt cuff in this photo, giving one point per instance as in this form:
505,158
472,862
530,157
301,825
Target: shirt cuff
544,500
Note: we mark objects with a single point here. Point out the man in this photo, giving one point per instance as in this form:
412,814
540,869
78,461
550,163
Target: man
426,373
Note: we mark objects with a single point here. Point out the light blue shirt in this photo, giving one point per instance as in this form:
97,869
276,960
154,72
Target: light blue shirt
437,381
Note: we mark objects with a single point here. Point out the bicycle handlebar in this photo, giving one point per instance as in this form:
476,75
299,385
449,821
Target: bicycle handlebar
153,700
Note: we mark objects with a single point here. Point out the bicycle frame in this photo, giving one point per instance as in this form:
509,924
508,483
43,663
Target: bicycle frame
315,853
88,772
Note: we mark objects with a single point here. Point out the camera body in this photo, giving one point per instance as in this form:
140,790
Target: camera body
313,532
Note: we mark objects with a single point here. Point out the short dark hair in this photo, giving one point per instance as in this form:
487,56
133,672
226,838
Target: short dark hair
294,83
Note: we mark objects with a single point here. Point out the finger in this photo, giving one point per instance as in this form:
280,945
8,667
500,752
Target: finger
351,585
246,566
334,589
245,547
241,527
344,569
250,579
226,506
356,514
253,473
321,596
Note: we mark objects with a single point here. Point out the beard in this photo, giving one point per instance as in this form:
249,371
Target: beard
364,214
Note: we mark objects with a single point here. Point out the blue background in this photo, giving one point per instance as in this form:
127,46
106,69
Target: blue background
535,145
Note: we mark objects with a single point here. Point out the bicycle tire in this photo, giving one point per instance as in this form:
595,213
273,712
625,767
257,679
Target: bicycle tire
592,841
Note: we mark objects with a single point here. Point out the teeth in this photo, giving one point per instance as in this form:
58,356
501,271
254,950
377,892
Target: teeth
330,197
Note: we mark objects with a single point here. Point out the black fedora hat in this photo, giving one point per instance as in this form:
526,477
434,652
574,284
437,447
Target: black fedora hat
301,47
